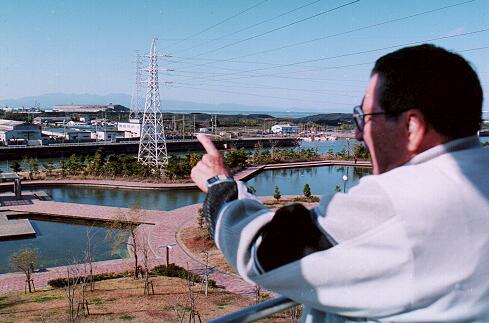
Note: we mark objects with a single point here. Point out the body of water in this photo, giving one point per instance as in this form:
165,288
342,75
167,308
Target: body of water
61,243
322,180
163,200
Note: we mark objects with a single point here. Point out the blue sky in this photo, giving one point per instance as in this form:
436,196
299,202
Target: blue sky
89,46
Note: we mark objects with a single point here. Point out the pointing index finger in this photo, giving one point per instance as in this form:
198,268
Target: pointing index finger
208,144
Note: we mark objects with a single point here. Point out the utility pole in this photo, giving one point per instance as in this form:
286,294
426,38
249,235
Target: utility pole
183,126
152,144
194,125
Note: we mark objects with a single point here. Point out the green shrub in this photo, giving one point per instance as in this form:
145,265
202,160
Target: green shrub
63,282
176,271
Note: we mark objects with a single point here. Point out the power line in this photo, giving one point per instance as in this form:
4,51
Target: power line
267,87
221,22
355,29
264,96
281,27
363,51
253,25
233,59
194,86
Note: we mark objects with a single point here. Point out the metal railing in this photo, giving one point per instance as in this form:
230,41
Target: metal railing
258,311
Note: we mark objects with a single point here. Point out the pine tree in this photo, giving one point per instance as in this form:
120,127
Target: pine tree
307,191
276,194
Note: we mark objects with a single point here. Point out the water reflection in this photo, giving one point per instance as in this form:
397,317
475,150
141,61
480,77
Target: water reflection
147,199
322,180
58,243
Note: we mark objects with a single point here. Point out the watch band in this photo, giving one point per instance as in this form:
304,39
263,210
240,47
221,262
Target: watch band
219,179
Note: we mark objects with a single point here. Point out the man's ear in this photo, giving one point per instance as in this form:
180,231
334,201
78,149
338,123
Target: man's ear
416,130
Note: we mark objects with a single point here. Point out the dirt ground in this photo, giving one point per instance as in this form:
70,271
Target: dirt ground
194,241
123,300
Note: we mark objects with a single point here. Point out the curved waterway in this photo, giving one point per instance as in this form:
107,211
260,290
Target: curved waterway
60,242
322,180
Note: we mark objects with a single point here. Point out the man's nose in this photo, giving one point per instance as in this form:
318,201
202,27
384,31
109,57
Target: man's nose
358,135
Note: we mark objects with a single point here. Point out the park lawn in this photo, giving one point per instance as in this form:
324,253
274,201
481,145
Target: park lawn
123,300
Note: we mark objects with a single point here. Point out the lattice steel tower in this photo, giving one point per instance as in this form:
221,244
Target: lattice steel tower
152,145
137,103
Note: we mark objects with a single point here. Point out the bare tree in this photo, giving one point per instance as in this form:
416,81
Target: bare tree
192,299
87,279
127,222
145,250
88,258
73,277
26,260
206,272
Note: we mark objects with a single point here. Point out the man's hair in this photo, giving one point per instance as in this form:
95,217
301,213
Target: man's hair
441,84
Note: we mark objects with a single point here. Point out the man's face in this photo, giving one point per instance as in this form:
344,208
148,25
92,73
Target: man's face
385,138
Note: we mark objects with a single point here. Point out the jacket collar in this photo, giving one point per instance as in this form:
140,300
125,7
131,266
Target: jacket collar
448,147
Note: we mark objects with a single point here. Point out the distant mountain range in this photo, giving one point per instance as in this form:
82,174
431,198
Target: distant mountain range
47,101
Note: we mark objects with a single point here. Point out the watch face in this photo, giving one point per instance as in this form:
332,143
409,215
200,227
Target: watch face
212,180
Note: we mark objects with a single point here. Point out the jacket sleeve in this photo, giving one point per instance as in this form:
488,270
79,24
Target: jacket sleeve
364,274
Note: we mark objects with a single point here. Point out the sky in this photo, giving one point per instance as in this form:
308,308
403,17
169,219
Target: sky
310,55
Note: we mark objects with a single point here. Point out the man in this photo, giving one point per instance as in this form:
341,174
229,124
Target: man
409,243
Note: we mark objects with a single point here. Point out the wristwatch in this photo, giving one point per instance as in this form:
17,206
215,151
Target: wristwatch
219,179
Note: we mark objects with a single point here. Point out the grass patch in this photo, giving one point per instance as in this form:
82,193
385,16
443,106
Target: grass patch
126,317
44,299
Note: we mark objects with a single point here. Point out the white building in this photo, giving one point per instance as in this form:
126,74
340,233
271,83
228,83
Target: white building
132,129
19,132
68,134
90,108
285,129
107,135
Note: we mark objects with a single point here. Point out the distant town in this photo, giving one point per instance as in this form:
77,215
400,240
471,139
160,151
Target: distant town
64,124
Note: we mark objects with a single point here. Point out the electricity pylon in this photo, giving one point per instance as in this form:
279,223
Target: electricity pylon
136,110
152,144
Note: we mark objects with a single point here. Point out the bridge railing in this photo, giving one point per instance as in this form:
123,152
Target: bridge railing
258,311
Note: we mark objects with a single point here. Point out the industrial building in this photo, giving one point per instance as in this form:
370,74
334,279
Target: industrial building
68,134
131,129
285,129
19,132
90,108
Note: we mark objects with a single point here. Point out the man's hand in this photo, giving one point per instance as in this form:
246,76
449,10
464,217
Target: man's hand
212,164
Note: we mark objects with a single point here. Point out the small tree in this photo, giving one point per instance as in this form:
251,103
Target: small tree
26,260
16,167
49,166
307,191
145,249
276,193
127,222
33,165
206,272
73,277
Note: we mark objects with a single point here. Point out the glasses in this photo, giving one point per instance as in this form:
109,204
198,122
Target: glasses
359,116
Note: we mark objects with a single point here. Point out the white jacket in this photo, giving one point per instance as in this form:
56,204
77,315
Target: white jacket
412,244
